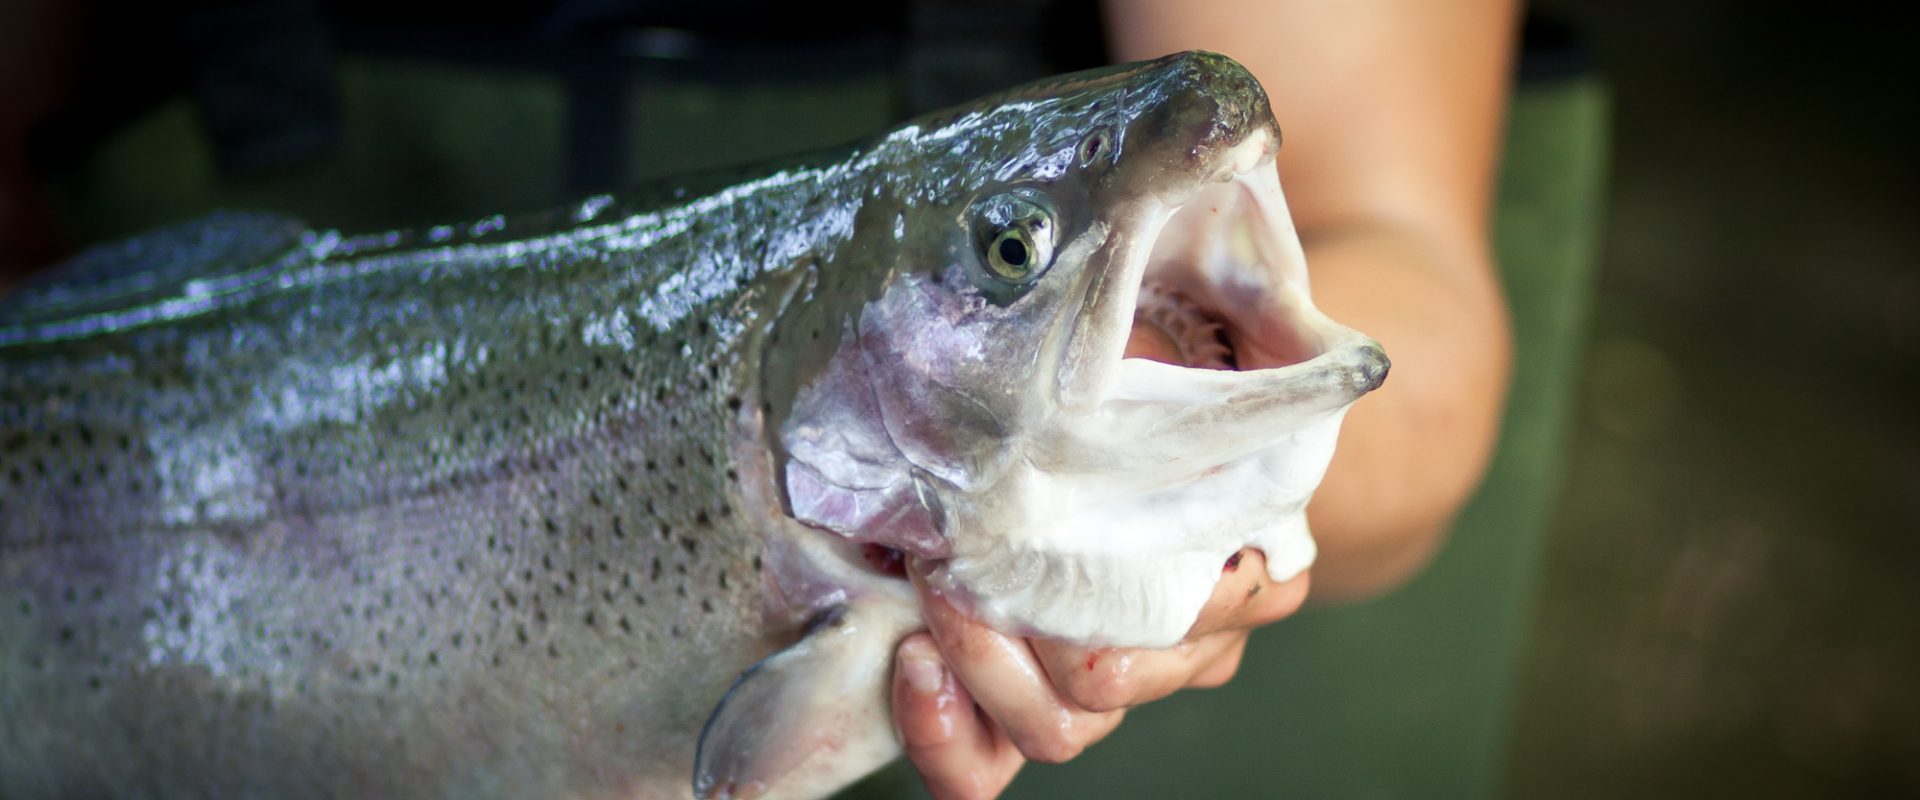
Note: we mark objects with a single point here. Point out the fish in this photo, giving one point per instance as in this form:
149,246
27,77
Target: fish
612,500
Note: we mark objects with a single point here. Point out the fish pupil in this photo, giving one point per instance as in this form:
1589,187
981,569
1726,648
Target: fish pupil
1013,252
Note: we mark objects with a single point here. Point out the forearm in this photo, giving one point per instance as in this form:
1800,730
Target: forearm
1412,452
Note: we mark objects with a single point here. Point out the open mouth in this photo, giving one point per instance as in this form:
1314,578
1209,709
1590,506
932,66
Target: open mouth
1220,289
1202,345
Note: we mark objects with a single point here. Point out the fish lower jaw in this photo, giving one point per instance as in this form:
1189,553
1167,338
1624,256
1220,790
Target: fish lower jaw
1112,598
1129,561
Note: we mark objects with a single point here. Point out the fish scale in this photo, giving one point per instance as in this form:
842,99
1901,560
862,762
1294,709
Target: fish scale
346,505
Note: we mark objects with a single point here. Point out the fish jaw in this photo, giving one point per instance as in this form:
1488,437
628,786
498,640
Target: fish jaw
1156,473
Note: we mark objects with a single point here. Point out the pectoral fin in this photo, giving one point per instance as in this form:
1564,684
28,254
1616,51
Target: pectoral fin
811,718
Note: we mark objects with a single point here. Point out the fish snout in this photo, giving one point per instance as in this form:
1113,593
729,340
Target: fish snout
1372,368
1209,104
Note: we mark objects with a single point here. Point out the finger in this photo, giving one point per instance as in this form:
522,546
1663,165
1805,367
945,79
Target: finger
1110,679
960,755
1247,598
1009,684
1225,665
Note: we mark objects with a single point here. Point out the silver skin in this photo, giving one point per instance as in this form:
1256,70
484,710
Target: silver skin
577,504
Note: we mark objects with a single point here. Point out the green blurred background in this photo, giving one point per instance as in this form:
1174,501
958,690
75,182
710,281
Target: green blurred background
1692,570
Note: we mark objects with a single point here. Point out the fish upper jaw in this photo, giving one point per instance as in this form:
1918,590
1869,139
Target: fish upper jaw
1155,473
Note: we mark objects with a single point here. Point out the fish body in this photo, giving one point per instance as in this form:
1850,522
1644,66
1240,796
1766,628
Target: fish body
576,505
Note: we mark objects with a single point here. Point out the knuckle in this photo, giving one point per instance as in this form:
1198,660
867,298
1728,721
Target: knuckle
1221,671
1054,748
966,791
1101,689
1217,677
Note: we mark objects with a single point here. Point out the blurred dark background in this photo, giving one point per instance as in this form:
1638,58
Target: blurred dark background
1731,596
1727,596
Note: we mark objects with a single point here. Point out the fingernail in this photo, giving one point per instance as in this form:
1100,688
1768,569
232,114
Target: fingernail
920,665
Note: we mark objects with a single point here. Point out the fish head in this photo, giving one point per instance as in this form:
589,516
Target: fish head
983,407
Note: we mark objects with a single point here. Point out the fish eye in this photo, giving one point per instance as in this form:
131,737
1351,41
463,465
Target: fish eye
1016,237
1013,255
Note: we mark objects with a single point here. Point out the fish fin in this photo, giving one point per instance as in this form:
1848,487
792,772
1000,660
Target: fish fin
809,719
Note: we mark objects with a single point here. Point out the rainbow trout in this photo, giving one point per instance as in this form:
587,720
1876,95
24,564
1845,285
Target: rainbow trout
609,502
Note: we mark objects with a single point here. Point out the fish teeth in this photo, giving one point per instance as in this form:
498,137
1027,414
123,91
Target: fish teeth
1200,337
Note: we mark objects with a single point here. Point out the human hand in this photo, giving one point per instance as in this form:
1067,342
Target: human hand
973,705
